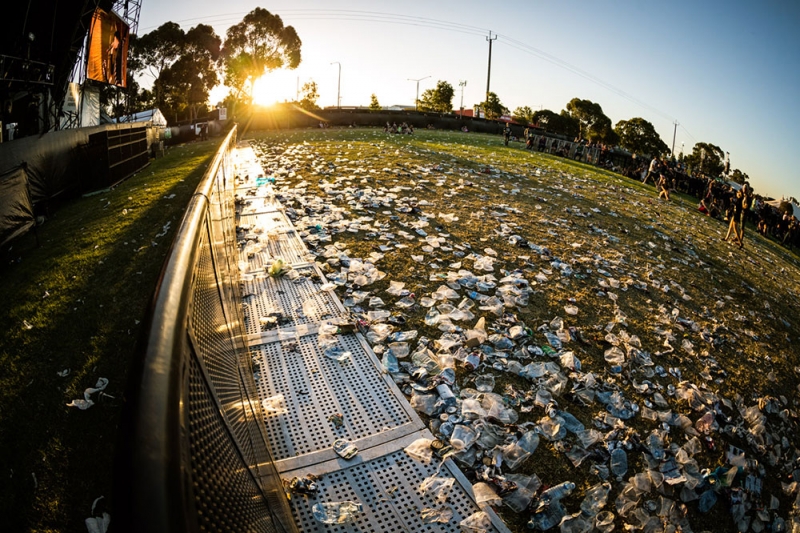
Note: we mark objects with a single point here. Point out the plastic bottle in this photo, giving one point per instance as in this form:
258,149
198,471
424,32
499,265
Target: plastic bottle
446,394
529,441
571,423
559,491
619,463
390,362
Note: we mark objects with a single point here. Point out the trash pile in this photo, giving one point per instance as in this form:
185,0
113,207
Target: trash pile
590,359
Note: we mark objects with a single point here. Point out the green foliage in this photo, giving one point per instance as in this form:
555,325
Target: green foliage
374,105
438,100
640,137
183,64
523,115
706,158
155,52
492,107
189,80
260,43
310,96
562,124
593,123
738,176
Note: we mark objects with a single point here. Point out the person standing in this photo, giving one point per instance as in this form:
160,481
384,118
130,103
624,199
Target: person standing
734,213
652,171
747,202
663,187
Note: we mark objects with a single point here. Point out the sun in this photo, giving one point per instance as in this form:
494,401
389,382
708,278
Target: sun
264,92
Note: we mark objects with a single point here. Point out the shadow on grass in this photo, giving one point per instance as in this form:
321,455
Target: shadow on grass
84,292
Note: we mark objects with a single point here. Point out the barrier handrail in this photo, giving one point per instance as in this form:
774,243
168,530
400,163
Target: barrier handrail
152,491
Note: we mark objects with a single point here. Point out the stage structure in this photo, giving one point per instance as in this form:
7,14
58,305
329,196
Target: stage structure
43,49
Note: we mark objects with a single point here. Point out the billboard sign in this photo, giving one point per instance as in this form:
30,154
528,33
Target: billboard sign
108,49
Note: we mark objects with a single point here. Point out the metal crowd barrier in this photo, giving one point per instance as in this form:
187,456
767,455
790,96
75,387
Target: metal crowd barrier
193,455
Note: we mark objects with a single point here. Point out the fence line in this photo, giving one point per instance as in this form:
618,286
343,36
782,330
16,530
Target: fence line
194,454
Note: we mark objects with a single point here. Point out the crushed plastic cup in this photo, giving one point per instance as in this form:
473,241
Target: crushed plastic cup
484,383
604,522
463,437
345,449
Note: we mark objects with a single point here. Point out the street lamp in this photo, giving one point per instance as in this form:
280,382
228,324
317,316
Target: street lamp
462,84
416,101
339,86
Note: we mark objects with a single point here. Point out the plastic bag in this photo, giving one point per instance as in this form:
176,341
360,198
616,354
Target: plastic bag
436,515
437,488
420,450
476,523
485,494
333,513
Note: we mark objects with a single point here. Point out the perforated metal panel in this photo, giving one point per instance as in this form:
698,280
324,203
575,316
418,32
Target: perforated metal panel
388,489
296,302
227,498
259,204
315,387
289,363
287,246
276,221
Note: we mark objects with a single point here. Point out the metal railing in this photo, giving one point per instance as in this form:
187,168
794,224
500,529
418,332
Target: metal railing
193,453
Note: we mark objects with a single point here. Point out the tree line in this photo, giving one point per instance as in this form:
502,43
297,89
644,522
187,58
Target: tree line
585,120
187,65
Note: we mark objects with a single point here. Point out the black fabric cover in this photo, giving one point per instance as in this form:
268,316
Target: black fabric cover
51,160
16,211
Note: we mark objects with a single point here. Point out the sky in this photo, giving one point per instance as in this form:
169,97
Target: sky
728,72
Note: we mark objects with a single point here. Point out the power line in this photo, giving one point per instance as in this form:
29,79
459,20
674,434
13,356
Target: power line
513,43
687,133
412,20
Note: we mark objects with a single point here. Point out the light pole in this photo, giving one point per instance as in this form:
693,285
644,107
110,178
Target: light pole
416,101
339,86
462,84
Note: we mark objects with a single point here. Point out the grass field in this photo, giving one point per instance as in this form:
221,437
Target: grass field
726,318
73,305
655,270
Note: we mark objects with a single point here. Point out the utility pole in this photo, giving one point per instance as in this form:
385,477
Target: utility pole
339,86
489,74
462,84
674,131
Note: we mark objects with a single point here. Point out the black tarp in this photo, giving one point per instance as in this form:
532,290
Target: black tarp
51,160
16,211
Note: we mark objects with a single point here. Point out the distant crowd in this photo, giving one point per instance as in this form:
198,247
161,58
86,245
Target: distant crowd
402,128
719,199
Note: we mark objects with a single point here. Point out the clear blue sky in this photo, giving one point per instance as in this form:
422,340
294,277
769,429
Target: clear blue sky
728,72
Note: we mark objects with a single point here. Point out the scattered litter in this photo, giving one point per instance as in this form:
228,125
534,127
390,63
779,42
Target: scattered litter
336,513
345,449
87,401
468,333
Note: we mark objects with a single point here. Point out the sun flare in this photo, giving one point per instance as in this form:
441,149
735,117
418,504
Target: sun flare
264,92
